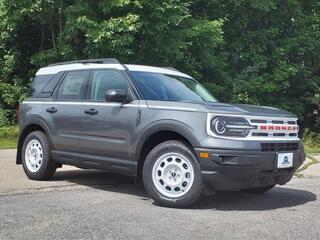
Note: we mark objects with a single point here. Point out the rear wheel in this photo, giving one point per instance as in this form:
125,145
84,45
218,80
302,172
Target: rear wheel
258,190
171,175
36,160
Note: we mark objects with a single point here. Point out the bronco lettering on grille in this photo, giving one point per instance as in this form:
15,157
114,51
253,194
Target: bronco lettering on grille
276,127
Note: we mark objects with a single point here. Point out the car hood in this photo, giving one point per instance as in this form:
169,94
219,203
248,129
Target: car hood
222,108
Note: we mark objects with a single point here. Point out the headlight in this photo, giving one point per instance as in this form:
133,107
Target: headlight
230,126
220,126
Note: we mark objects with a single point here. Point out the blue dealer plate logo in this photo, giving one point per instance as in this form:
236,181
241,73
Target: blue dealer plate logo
285,160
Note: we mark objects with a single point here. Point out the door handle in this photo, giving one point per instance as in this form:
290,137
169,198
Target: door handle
91,111
51,110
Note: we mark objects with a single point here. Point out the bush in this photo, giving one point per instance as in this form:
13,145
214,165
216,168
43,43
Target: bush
311,141
8,137
10,96
3,118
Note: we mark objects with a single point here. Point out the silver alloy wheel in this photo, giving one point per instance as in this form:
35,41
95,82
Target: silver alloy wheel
33,155
173,175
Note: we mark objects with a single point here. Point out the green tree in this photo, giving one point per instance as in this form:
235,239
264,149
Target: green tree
272,50
248,51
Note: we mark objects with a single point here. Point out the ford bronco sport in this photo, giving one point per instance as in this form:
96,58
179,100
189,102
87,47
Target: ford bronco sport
156,124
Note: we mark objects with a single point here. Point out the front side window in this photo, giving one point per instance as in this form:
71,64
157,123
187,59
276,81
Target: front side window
163,87
105,80
72,85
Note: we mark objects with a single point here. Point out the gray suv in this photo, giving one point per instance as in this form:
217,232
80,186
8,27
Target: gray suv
156,124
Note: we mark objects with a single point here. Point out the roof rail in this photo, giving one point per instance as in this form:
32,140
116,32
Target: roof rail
100,60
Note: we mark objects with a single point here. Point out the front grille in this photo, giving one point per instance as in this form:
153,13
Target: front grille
279,134
258,121
260,134
273,128
279,147
277,122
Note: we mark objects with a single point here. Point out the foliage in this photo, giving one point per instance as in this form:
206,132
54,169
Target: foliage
272,48
247,51
311,141
11,95
8,137
3,117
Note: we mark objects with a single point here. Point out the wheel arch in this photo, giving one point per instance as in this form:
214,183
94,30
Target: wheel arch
36,125
158,133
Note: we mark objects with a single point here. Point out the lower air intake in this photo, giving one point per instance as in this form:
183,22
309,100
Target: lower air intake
279,147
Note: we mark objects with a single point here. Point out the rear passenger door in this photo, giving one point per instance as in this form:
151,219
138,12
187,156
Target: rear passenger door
63,115
107,127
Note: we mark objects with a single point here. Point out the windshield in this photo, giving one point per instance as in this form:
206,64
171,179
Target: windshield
162,87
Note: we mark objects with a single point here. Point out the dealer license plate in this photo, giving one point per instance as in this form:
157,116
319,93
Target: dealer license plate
285,160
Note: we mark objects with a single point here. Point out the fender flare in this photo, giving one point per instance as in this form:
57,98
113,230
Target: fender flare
165,125
35,121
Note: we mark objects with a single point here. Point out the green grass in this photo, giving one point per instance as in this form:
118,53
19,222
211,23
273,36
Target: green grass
8,137
311,148
311,141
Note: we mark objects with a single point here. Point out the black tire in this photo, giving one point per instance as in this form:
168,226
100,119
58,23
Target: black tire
48,167
258,190
194,192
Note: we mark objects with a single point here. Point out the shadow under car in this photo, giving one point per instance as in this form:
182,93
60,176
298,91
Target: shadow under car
278,197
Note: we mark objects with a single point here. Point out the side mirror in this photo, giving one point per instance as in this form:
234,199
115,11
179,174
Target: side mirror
116,95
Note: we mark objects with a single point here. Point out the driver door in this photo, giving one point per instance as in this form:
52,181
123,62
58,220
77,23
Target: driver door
107,128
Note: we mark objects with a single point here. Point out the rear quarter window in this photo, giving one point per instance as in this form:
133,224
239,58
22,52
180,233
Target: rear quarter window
39,82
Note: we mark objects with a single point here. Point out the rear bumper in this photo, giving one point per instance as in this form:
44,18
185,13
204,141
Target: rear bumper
226,170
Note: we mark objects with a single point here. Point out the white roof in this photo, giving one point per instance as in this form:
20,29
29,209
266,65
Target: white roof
82,66
142,68
76,66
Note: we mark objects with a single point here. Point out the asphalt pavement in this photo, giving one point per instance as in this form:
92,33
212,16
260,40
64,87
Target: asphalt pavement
88,204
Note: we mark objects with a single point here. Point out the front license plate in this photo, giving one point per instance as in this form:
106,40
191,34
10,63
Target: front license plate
285,160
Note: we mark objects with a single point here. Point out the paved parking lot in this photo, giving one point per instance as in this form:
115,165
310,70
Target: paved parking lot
85,204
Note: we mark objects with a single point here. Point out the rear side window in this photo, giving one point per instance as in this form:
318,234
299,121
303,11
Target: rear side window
72,86
38,84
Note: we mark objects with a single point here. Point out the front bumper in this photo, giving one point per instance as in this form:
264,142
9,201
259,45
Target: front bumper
227,170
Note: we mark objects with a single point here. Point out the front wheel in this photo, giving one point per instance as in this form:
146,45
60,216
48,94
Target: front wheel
172,175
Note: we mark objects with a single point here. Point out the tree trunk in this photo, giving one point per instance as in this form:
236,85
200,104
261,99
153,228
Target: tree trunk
60,19
53,36
42,38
